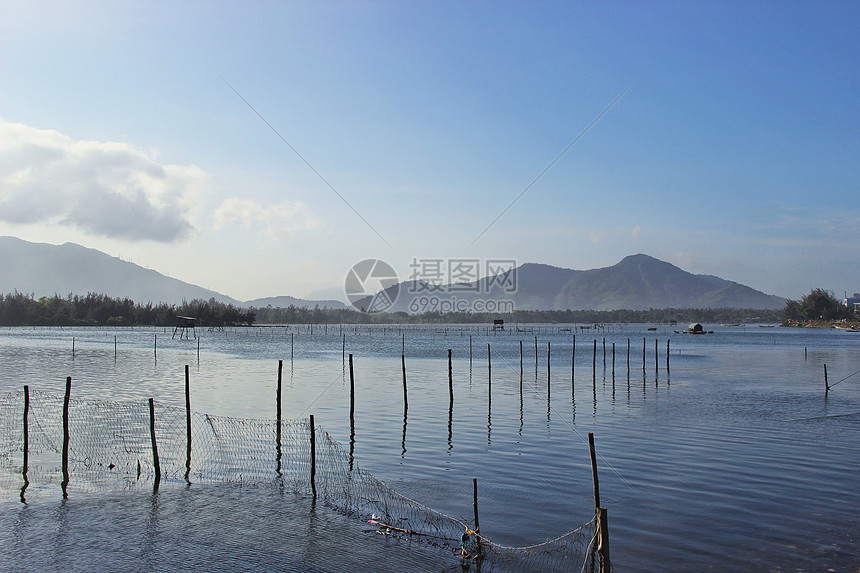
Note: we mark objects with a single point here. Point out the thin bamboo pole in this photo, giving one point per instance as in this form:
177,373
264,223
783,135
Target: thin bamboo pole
155,462
475,510
65,457
187,422
313,459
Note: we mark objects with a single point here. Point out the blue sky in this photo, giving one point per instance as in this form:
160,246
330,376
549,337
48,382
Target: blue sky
734,151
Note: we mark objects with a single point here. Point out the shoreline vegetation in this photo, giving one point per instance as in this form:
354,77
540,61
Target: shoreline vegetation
819,309
843,324
17,309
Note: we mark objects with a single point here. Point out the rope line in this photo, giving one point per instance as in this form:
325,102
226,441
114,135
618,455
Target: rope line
588,550
549,541
824,417
312,168
844,379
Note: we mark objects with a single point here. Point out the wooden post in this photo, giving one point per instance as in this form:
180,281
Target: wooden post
628,357
65,458
656,357
572,360
405,410
475,510
114,348
314,458
603,543
489,365
292,348
278,395
470,356
403,363
643,354
667,355
450,378
198,350
73,347
604,353
450,414
351,391
613,360
187,423
521,358
547,364
278,423
26,429
155,347
826,386
155,461
594,470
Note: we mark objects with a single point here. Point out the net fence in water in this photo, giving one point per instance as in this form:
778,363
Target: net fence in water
110,444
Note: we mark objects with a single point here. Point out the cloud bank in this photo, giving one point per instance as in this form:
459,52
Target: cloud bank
108,189
273,222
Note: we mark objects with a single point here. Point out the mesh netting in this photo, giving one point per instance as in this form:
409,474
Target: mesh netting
110,445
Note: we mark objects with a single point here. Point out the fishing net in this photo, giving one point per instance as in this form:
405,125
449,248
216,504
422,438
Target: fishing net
110,445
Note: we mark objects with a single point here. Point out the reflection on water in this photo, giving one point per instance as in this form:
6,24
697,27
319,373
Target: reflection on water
199,528
737,462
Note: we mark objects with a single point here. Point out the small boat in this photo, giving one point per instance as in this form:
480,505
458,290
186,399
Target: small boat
697,328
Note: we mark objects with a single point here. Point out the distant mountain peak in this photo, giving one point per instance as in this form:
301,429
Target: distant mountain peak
44,269
642,259
637,282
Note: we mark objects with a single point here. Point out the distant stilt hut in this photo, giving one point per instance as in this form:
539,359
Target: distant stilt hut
498,324
183,325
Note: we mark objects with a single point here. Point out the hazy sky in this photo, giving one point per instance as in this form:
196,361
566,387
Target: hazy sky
735,151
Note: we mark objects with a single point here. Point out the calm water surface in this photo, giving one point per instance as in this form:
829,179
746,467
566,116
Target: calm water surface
732,459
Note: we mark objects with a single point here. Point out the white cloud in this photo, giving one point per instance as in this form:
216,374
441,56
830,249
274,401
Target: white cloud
635,232
686,260
274,222
597,236
109,189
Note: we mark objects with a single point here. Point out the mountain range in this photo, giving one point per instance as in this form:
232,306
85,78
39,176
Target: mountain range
638,282
44,270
